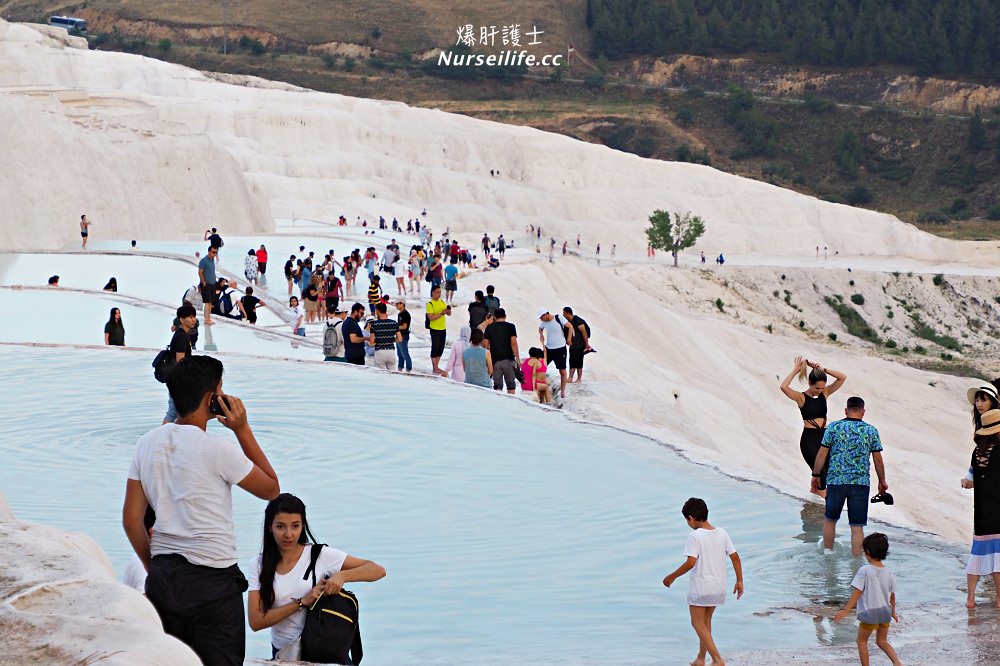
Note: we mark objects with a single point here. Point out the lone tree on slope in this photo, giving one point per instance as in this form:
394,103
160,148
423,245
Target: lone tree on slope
674,235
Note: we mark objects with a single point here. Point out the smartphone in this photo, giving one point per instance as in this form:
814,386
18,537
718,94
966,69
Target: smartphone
213,405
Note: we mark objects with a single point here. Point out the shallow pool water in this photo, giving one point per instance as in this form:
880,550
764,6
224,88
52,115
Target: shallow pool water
511,534
64,317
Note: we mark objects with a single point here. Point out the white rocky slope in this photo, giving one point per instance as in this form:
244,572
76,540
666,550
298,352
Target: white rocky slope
67,152
319,154
60,604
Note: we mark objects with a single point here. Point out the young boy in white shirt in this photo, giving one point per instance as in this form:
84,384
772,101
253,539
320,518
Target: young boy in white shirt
706,551
875,596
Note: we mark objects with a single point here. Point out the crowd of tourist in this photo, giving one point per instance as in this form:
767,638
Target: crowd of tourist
193,580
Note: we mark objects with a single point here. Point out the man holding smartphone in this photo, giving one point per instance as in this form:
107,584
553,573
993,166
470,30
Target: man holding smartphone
437,310
186,475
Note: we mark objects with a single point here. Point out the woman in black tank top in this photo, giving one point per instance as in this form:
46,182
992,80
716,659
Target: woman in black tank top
812,407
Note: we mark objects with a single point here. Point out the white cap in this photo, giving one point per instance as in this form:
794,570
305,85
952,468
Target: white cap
542,311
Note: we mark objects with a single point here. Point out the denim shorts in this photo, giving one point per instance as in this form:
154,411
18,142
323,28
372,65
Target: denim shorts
856,497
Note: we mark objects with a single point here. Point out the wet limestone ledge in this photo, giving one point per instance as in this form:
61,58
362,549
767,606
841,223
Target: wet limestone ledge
60,603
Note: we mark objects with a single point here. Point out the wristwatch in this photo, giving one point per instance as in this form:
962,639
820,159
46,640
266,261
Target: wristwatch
299,602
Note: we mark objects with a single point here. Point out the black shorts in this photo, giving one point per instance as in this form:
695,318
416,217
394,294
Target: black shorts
261,267
576,358
331,304
208,294
557,356
438,339
83,234
451,285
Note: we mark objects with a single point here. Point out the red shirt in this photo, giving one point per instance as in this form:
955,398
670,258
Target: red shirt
261,256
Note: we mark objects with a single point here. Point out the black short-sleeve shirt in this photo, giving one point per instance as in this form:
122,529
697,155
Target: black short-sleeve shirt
180,343
499,334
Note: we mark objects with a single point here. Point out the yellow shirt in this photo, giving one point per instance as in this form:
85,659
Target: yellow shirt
436,307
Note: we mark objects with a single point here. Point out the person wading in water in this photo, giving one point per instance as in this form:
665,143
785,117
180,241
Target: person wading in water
812,407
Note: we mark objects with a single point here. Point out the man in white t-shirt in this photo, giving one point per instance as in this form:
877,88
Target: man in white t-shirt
187,475
553,334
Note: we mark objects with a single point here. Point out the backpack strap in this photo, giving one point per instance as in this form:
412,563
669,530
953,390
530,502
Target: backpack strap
313,558
356,649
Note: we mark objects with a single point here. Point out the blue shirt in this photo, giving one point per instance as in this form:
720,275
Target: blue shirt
450,272
207,265
851,443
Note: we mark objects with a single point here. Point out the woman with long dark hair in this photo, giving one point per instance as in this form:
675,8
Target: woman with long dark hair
984,560
114,330
983,398
812,407
278,591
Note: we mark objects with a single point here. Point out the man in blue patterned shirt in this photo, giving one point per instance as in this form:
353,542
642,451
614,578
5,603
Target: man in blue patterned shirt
849,443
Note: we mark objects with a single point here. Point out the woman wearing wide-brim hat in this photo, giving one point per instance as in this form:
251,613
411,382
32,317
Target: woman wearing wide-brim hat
983,398
984,560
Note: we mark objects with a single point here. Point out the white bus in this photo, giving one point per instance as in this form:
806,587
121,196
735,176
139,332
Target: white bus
69,23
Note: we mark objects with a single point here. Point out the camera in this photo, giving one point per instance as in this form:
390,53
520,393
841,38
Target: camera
213,405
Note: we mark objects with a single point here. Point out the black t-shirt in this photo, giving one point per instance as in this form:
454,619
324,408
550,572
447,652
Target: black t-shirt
499,334
215,240
352,350
116,333
577,335
180,343
404,318
250,305
288,268
312,294
477,313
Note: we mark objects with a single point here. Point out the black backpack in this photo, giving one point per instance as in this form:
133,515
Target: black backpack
331,630
162,364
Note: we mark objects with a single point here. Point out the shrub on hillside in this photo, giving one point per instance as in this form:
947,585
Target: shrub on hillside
859,195
933,217
993,212
817,104
857,299
852,320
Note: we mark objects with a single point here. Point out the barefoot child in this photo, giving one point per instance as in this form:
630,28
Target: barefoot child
875,595
539,376
706,552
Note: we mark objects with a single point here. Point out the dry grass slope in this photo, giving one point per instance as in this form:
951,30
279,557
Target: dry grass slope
404,25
